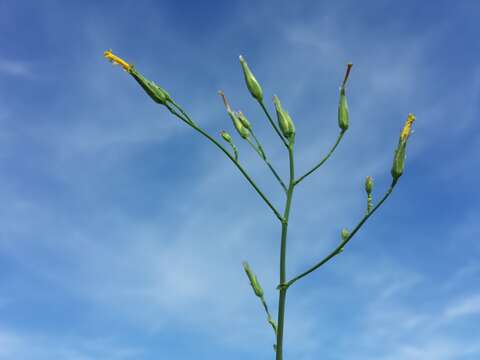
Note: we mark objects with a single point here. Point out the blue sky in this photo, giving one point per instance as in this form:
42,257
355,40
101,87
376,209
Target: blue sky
122,232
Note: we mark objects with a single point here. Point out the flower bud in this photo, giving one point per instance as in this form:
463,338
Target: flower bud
243,119
343,111
226,136
237,123
257,289
345,234
252,83
343,116
399,157
284,120
242,130
157,94
368,185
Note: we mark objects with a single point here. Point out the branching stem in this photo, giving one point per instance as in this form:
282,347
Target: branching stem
185,118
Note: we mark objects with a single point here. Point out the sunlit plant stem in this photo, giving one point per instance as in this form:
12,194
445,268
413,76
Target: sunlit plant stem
286,132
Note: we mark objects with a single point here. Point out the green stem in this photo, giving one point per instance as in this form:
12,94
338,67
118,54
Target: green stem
269,316
340,247
259,150
190,122
273,124
283,255
340,136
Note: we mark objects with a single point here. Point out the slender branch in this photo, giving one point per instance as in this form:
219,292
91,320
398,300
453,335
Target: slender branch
235,151
273,124
283,255
220,146
276,175
183,112
339,138
259,150
340,247
269,316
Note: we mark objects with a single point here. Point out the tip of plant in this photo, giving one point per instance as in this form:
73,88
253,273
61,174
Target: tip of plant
347,73
240,57
224,98
114,59
407,127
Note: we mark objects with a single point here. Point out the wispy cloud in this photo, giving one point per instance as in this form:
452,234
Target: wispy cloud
15,67
18,346
467,306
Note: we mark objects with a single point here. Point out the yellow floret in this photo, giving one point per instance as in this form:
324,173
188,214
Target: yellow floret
116,60
408,127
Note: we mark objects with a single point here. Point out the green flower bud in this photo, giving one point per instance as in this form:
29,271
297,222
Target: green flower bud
343,111
242,130
368,185
284,120
343,117
226,136
252,83
345,234
399,157
257,289
157,94
243,119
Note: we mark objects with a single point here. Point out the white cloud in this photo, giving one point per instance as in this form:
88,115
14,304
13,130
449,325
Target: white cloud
15,67
467,306
20,346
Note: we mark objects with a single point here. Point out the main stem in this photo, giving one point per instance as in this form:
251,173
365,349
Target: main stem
283,255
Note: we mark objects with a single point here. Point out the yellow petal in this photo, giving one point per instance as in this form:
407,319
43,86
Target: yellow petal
116,60
408,127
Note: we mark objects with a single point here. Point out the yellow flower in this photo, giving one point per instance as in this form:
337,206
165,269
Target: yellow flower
408,127
116,60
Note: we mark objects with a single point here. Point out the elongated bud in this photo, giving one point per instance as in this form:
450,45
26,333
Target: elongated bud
368,185
399,157
257,289
226,136
252,83
343,117
345,234
157,94
241,129
284,120
343,114
243,119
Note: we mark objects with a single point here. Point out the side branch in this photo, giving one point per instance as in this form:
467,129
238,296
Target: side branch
259,150
273,124
340,247
340,136
185,118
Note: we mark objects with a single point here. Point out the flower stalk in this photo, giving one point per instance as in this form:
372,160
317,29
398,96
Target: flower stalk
286,132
